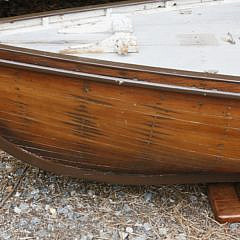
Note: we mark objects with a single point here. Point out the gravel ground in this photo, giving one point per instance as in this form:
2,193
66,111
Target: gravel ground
46,206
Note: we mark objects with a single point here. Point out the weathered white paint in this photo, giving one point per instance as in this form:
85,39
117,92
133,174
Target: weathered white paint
198,35
111,23
121,43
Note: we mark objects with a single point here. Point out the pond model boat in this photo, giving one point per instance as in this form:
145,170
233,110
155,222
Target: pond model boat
140,92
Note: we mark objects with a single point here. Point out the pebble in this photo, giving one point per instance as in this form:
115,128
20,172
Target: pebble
120,194
19,171
123,235
73,193
24,207
234,226
126,208
35,221
103,234
181,236
139,238
84,218
148,196
90,236
53,212
17,194
84,238
23,223
17,210
5,236
129,230
115,235
117,213
162,231
91,193
193,199
147,227
42,233
35,191
63,210
2,166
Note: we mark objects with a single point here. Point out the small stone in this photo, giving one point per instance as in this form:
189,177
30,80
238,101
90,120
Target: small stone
19,171
50,227
17,210
17,194
23,223
129,230
24,207
73,193
139,238
42,233
162,231
8,168
91,193
34,192
103,234
181,236
193,198
63,211
148,196
234,226
83,237
2,165
35,221
117,213
71,216
123,235
115,235
120,194
53,212
5,236
147,227
48,200
90,236
126,208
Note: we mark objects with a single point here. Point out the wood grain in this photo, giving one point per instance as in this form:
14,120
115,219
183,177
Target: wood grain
225,202
87,124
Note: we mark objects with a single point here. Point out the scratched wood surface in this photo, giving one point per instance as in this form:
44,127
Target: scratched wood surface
122,129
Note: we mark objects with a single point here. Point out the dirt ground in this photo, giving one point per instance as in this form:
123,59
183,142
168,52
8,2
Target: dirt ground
46,206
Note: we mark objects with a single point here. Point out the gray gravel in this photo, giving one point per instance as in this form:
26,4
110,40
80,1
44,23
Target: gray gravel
47,206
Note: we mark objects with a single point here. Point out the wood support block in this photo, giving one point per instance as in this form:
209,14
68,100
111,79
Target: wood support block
225,202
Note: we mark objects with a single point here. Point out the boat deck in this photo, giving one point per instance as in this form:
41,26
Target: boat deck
202,37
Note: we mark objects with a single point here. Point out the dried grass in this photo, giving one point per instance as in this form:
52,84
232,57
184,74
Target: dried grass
54,207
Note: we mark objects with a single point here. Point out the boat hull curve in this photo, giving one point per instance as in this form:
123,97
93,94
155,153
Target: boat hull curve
160,127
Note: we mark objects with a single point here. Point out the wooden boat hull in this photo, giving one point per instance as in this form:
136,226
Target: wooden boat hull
116,122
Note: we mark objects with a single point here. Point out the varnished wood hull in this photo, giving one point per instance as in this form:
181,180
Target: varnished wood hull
118,123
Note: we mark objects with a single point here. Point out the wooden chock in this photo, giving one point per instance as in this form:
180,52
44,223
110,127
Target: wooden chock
225,201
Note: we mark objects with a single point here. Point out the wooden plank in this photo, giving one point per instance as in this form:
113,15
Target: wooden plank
225,202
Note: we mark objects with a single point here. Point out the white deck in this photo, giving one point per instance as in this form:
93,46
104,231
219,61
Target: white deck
197,36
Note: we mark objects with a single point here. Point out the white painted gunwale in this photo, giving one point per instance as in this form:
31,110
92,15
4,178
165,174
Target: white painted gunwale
184,34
